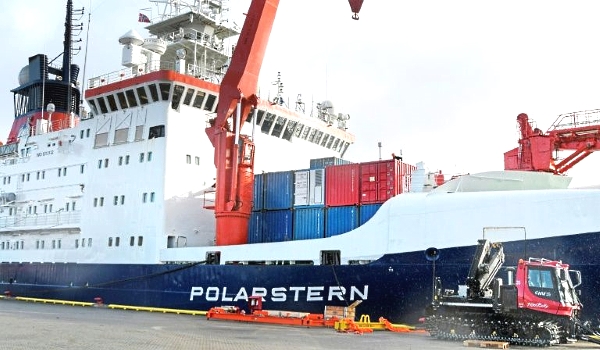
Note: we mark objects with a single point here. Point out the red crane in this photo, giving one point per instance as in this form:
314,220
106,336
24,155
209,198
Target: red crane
234,153
578,132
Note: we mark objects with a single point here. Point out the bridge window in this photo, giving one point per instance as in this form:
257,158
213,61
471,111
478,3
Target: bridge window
102,105
266,125
188,97
131,98
165,90
278,128
153,92
92,104
177,93
324,140
112,103
199,99
122,100
289,130
142,95
210,101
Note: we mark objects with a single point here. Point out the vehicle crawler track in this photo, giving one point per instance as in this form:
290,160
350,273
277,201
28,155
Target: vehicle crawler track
494,328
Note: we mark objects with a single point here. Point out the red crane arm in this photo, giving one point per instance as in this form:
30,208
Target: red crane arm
234,153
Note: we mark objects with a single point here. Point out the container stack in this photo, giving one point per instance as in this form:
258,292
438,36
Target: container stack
332,197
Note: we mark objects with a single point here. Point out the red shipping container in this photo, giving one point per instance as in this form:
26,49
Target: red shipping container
342,185
381,180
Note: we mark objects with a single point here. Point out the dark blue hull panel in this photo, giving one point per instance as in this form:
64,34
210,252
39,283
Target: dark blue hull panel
397,286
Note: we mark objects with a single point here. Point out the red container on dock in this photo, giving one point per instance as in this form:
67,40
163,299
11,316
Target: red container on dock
342,185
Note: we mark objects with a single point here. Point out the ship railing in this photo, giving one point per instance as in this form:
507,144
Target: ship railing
41,220
211,74
576,119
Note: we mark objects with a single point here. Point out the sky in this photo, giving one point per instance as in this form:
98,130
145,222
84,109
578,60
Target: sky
439,81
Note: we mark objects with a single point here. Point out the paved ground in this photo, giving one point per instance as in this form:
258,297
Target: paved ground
27,325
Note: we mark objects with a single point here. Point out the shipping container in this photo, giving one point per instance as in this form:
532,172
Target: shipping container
301,190
258,197
277,225
309,187
340,220
381,180
342,185
321,163
366,212
309,223
278,190
255,227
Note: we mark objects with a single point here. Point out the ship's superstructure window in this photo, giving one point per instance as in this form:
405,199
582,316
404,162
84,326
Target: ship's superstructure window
122,199
95,203
101,201
188,158
89,242
131,241
110,241
165,90
199,99
112,103
99,163
142,157
142,95
144,197
188,97
102,105
131,98
81,168
76,243
140,241
116,200
127,159
210,102
92,104
266,125
122,99
177,93
106,162
120,160
289,130
87,133
151,196
156,131
213,258
278,127
149,156
6,180
117,241
83,242
153,92
197,159
330,257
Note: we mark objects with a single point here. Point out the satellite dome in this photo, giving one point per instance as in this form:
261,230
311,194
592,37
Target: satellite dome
131,37
24,75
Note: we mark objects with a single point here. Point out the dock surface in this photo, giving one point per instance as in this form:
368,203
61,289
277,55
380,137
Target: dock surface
28,325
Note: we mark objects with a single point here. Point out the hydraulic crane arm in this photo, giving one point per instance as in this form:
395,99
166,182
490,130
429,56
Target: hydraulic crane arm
234,153
488,259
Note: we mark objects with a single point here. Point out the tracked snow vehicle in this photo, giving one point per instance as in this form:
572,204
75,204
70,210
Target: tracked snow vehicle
537,306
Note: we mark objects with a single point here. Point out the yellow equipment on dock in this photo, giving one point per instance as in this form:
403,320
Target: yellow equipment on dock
364,325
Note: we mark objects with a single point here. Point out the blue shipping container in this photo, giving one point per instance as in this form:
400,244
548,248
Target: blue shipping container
366,212
277,225
279,191
341,220
309,223
255,228
258,197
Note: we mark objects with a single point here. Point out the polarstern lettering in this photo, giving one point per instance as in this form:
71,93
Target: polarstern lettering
281,294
